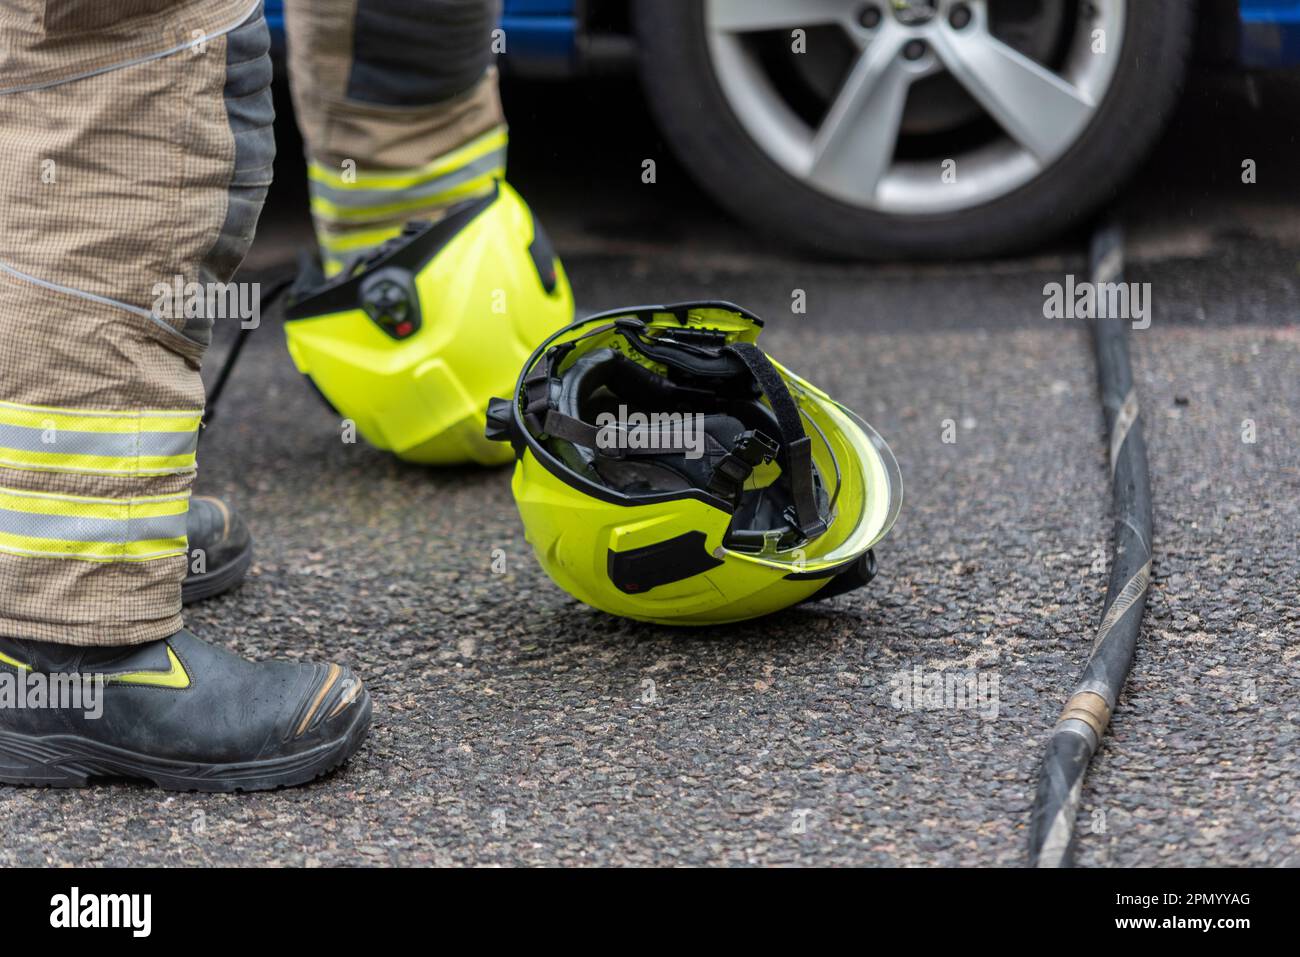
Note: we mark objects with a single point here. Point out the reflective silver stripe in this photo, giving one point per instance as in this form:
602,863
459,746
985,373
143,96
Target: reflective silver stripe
102,300
1128,414
1058,835
1110,267
110,444
366,198
1133,589
70,528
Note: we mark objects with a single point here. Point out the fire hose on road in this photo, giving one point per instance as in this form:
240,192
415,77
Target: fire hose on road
1083,721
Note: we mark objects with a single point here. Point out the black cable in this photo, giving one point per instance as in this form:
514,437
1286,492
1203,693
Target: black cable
265,301
1078,733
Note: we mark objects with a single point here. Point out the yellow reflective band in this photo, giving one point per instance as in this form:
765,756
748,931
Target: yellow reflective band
175,677
97,442
145,551
330,211
110,509
357,241
13,662
337,249
94,420
494,139
96,464
43,525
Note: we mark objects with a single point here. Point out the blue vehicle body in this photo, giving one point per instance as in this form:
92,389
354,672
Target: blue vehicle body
543,35
1270,33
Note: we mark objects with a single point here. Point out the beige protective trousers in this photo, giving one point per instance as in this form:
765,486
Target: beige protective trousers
136,152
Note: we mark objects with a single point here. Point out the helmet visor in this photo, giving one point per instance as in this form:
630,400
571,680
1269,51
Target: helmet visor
862,480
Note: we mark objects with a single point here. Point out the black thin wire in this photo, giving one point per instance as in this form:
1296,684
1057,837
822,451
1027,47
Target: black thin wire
266,300
1077,734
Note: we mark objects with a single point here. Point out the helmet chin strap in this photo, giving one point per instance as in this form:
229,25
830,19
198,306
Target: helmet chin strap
798,447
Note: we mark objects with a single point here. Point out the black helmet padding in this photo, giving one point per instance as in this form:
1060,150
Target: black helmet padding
606,381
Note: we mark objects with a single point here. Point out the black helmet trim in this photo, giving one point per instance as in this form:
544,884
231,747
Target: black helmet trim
544,258
638,570
842,578
703,355
409,252
678,310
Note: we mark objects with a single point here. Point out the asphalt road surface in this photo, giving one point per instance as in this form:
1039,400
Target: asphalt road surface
515,726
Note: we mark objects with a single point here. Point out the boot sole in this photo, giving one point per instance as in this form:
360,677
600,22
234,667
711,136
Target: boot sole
71,761
213,583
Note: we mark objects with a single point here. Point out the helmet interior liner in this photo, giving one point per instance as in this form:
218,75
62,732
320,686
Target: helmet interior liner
607,384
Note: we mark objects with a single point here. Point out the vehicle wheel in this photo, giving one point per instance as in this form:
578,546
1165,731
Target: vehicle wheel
913,128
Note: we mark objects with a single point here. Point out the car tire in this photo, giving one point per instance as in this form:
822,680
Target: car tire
699,123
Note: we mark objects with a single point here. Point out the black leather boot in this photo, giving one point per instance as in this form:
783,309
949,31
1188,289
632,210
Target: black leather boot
178,712
221,549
